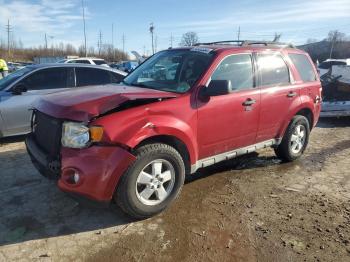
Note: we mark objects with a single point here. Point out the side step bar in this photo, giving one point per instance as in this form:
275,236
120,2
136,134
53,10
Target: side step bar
232,154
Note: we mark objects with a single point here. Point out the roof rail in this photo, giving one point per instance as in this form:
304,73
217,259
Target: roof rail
248,43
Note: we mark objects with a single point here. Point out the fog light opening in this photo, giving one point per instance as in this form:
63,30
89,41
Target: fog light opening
72,177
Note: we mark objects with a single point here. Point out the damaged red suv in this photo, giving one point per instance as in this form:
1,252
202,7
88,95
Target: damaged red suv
181,110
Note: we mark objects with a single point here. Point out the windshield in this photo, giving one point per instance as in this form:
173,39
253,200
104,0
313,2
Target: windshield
170,70
8,80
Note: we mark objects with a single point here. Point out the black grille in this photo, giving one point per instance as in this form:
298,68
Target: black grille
47,133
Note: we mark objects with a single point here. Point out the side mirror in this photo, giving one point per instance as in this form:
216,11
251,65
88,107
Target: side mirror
19,89
217,88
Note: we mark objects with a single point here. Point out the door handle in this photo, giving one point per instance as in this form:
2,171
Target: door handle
249,102
291,94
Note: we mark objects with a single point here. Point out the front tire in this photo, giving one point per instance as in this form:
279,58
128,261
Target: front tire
295,139
152,182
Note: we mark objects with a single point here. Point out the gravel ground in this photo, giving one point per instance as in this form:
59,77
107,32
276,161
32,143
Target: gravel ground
254,208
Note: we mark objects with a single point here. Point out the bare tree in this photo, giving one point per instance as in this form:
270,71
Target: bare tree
334,37
189,39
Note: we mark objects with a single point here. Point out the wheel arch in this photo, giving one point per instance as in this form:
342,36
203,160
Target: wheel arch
172,141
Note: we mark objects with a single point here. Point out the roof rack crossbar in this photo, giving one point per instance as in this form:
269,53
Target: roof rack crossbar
248,43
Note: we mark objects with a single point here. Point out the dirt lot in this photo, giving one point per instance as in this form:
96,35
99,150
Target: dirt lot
254,208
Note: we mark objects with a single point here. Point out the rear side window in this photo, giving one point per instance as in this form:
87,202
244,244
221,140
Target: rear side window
273,71
116,78
238,69
92,76
304,67
99,62
79,62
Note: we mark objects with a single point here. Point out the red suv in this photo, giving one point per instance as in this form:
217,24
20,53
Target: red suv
181,110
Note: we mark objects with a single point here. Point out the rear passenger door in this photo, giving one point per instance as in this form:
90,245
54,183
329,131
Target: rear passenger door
278,93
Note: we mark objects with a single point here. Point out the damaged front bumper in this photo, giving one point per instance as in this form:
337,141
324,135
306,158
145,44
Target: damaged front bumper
335,109
90,175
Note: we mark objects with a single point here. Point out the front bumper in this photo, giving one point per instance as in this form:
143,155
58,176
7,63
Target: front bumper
99,169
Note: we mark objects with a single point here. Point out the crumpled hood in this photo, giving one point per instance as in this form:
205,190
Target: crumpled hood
82,104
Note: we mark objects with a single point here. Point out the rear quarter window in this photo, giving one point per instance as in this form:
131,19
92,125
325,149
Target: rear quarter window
304,67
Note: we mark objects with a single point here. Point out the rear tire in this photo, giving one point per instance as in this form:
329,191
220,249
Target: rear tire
152,182
295,139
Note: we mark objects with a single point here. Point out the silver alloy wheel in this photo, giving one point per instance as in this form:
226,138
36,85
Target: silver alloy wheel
155,182
298,139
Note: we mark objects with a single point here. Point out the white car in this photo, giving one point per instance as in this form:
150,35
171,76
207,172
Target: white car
326,65
85,60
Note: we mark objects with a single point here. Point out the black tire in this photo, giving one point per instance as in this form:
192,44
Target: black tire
126,196
284,150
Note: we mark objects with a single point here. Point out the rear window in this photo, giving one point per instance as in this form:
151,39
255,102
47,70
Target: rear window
273,70
304,67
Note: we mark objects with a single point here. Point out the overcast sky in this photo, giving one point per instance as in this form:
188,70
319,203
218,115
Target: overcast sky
297,20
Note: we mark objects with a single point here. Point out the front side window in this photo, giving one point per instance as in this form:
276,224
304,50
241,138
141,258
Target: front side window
50,78
238,69
11,78
304,67
170,70
273,71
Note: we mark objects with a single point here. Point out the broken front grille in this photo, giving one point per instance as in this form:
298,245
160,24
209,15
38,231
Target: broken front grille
47,133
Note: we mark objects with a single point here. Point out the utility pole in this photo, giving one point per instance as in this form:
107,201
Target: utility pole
144,50
99,43
151,30
53,48
8,30
85,48
45,42
171,40
239,33
155,44
113,42
123,40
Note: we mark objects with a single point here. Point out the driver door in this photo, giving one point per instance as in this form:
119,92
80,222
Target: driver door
16,109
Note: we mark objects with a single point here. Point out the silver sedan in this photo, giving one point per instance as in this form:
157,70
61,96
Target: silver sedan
19,90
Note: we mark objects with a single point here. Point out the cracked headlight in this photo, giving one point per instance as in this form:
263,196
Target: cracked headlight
75,135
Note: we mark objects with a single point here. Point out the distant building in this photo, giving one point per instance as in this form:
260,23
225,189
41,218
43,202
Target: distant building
51,59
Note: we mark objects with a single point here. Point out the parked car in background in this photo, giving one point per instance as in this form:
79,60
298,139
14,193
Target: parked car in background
326,65
126,66
19,90
336,92
13,66
133,143
85,60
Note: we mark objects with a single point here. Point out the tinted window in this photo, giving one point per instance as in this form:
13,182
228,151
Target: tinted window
304,67
273,70
79,62
116,78
50,78
328,64
92,76
238,69
99,62
11,78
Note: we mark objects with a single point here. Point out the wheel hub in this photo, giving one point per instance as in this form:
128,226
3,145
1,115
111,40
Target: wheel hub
155,182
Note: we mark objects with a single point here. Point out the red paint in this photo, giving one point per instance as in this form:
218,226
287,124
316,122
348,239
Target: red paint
207,128
100,167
